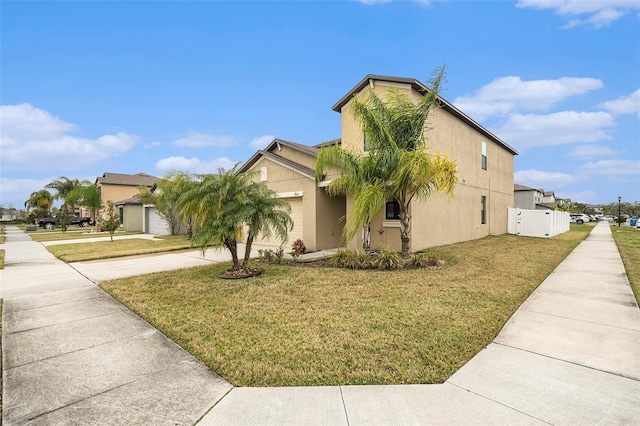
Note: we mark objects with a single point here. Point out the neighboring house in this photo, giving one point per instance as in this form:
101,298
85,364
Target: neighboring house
528,198
288,168
485,174
131,214
116,187
480,200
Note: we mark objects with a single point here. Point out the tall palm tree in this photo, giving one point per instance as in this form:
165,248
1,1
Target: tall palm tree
63,186
221,205
360,177
87,194
394,128
41,201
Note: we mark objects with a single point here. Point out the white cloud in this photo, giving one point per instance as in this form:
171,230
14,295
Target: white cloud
261,142
533,130
579,197
541,179
374,2
194,165
509,94
624,104
612,168
200,140
16,191
590,151
600,13
34,140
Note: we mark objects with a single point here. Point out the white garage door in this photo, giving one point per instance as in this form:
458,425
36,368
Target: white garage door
298,220
296,216
155,223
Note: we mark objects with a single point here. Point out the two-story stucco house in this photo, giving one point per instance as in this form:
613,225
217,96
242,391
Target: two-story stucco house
116,187
480,200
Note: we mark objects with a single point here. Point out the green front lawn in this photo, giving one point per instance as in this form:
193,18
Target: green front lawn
107,249
57,235
628,242
301,325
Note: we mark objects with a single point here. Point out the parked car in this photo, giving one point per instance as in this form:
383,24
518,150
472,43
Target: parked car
579,218
51,222
607,218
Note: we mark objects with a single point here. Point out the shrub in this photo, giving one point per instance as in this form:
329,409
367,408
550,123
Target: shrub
362,260
298,249
272,256
426,260
339,258
388,259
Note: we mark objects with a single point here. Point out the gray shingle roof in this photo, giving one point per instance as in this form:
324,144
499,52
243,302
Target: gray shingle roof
139,179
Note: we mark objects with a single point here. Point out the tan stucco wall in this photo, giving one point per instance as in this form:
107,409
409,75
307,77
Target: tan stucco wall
329,212
438,220
115,193
296,156
132,218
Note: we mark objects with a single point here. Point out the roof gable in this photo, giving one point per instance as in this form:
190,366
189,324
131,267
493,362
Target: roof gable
421,88
270,152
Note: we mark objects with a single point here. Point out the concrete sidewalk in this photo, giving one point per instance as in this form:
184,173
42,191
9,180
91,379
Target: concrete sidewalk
71,354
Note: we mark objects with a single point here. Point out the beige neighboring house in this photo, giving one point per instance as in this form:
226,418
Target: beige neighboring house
131,214
288,168
480,201
116,187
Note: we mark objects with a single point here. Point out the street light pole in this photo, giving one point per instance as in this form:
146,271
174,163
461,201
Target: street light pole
619,199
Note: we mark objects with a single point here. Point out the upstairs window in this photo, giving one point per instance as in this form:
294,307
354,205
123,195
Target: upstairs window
483,210
484,156
392,209
367,143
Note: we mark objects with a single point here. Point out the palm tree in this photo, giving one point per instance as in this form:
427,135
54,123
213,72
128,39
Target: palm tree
87,194
265,215
222,204
360,178
41,201
394,129
63,186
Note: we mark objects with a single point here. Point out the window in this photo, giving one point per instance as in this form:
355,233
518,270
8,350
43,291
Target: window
263,174
483,210
392,209
367,143
484,156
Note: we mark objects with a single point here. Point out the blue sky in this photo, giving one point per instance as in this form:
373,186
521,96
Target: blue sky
128,87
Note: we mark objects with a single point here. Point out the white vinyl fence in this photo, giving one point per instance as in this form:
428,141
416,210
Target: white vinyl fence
537,223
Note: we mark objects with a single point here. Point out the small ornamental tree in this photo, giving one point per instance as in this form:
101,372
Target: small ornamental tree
111,224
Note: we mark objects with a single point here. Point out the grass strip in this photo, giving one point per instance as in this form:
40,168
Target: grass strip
298,326
108,249
45,236
628,241
1,258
